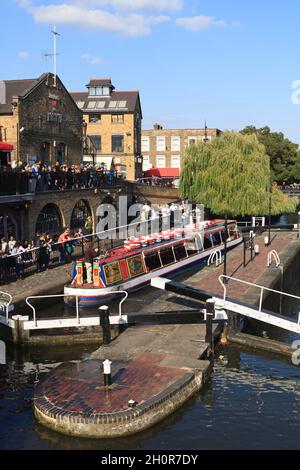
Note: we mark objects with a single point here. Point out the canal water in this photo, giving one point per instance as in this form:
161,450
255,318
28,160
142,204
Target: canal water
251,402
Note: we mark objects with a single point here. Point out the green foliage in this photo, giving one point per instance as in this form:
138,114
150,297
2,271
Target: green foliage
282,152
231,175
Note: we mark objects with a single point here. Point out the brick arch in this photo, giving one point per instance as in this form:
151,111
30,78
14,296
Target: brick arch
90,212
48,224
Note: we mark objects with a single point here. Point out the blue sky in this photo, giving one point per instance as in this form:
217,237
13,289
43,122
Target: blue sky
229,62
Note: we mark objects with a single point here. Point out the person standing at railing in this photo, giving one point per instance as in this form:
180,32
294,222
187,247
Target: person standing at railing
17,253
90,253
4,245
62,239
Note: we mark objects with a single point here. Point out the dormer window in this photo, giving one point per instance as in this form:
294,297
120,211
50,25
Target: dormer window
99,91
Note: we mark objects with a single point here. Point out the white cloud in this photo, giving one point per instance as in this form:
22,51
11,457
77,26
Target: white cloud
92,59
130,24
154,5
200,23
23,55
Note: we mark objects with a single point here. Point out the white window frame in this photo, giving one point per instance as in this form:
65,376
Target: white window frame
160,143
158,165
145,143
175,143
146,163
177,158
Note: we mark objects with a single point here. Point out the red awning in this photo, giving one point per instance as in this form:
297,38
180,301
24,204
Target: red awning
6,147
163,172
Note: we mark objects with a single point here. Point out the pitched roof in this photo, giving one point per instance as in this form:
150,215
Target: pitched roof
100,82
11,88
131,99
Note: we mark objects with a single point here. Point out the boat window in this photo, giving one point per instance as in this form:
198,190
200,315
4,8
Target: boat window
152,261
180,252
167,257
207,242
216,238
199,242
191,247
223,236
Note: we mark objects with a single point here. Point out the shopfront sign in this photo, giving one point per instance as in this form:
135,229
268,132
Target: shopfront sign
54,117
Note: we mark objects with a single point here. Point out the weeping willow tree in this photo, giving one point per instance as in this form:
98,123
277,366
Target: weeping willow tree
231,176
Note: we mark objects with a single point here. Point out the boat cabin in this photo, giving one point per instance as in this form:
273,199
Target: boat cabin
149,254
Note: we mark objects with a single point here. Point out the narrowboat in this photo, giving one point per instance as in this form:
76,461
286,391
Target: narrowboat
132,266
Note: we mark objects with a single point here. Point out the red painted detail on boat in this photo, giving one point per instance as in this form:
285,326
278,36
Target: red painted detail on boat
124,269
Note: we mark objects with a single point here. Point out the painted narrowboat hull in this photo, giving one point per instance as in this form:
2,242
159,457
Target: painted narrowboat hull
96,296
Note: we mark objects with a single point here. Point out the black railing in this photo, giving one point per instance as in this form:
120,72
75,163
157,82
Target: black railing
13,183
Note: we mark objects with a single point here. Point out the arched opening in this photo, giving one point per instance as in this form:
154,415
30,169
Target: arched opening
8,226
49,220
80,214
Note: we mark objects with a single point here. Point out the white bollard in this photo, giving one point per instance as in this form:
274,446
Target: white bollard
256,250
266,241
107,372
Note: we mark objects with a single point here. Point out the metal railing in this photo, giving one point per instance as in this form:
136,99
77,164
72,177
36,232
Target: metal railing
77,297
8,303
262,290
30,258
216,256
273,255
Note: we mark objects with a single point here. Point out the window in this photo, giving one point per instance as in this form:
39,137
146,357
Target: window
175,161
160,161
216,239
145,144
117,118
117,104
121,104
192,141
180,252
91,104
94,118
146,163
207,242
100,104
167,257
152,262
99,91
117,143
175,144
80,104
96,139
161,144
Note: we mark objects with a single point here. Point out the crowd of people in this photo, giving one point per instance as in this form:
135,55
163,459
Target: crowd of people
16,256
43,177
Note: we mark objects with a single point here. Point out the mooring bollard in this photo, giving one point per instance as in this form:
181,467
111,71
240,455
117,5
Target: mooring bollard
210,314
256,250
107,372
105,324
266,241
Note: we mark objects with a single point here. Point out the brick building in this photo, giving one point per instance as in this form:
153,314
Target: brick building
41,120
113,122
165,148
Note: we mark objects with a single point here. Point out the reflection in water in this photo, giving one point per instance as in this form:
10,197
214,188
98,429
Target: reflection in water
251,402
